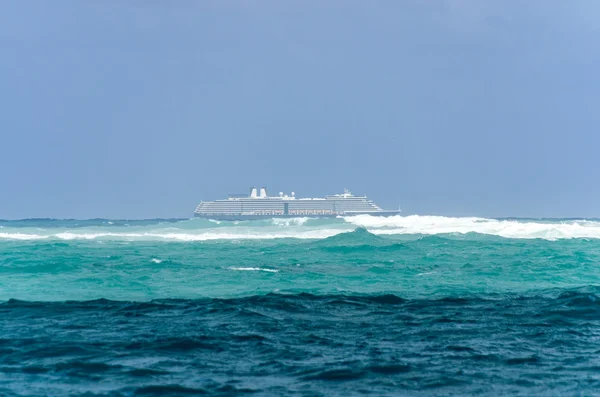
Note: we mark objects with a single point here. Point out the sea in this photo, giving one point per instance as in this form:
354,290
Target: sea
355,306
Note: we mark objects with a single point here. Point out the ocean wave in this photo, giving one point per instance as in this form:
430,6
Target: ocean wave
299,228
321,344
561,298
21,236
315,234
254,269
290,221
415,224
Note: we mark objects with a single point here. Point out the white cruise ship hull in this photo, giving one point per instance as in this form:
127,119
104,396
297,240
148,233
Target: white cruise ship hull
246,217
262,206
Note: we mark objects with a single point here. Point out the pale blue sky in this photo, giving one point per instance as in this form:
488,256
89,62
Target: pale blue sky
133,109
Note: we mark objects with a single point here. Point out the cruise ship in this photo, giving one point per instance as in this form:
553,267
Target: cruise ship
259,205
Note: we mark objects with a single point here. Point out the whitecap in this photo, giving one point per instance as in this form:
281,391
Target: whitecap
22,236
254,269
416,224
298,228
286,222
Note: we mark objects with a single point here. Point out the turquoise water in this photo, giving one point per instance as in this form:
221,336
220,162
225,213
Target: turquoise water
143,260
413,305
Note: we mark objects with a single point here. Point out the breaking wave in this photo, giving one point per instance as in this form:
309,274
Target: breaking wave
513,228
297,228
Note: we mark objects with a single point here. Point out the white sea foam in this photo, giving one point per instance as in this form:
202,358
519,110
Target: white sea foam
156,260
21,236
415,224
290,221
79,236
298,228
254,269
254,234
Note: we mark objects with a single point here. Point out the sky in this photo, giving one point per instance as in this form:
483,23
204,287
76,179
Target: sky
140,109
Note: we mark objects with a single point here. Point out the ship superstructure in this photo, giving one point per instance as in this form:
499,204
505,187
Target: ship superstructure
259,205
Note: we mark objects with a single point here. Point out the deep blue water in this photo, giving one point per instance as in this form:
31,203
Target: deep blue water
421,306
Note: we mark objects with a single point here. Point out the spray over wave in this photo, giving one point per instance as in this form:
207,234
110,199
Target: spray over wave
191,230
415,224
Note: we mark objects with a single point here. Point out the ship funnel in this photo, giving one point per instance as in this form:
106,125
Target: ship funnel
253,192
263,192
